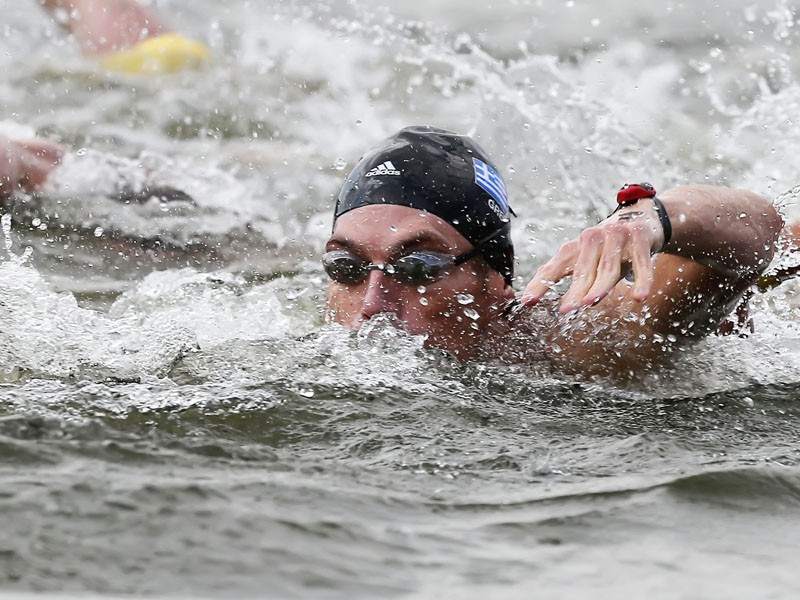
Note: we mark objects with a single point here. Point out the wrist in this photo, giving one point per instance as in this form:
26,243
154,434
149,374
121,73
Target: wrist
635,195
646,213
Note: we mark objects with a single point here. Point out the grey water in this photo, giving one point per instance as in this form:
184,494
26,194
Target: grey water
176,420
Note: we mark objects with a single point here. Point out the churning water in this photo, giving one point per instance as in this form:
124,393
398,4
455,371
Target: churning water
178,422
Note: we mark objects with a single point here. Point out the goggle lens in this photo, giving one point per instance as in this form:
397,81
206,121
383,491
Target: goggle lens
419,268
343,267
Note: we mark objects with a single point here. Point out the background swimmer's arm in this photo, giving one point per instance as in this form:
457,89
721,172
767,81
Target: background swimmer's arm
722,240
105,26
25,164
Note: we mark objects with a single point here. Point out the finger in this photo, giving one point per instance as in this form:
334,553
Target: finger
538,287
550,273
585,271
44,149
609,272
642,263
34,172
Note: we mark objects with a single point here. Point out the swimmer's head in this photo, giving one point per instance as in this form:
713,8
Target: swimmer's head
445,174
421,230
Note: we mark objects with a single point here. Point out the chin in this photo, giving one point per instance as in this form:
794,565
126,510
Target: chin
463,347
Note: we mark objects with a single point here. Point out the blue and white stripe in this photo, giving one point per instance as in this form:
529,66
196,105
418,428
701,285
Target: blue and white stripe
489,179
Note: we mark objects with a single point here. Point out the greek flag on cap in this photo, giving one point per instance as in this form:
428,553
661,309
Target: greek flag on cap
489,179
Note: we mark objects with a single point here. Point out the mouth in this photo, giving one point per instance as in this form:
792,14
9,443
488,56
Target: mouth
386,329
380,321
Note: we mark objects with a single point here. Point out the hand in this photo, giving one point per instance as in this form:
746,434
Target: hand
596,259
25,164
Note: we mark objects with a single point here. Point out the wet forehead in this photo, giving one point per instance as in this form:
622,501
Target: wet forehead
389,226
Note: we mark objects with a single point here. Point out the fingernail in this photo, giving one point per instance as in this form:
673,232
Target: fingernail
568,306
590,300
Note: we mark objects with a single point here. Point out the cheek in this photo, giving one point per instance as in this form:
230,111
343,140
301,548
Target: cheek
432,305
451,303
341,302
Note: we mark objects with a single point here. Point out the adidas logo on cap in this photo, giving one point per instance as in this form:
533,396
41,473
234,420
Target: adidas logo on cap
386,168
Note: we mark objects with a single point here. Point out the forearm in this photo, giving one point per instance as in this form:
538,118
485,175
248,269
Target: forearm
731,231
105,26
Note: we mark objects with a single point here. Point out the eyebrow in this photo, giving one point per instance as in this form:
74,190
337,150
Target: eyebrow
396,248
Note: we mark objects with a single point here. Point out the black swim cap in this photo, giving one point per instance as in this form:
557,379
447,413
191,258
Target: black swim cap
441,172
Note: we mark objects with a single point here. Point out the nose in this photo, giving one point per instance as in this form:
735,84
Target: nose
382,296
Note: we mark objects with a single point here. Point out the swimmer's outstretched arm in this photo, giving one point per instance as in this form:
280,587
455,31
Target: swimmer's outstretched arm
722,239
25,164
105,26
732,232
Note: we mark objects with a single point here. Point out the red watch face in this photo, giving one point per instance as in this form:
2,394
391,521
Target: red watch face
631,192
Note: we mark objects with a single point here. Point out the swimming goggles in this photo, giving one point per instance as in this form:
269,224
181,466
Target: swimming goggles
416,268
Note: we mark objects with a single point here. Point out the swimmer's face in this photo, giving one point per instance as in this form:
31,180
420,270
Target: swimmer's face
383,234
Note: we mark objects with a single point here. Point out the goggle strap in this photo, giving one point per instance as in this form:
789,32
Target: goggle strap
476,249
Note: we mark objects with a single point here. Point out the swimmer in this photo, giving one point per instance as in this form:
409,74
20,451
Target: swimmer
125,36
422,232
25,164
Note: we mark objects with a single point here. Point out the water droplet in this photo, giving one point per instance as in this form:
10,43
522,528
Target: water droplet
5,222
81,152
423,301
36,222
702,67
474,326
471,313
588,150
422,289
743,215
339,164
358,122
98,231
392,227
465,298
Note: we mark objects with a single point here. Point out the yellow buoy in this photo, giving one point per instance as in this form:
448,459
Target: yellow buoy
166,53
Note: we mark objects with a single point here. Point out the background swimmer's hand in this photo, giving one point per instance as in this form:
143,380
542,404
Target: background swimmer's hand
25,164
599,258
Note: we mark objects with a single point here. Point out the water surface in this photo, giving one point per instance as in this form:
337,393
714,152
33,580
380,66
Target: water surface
175,419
